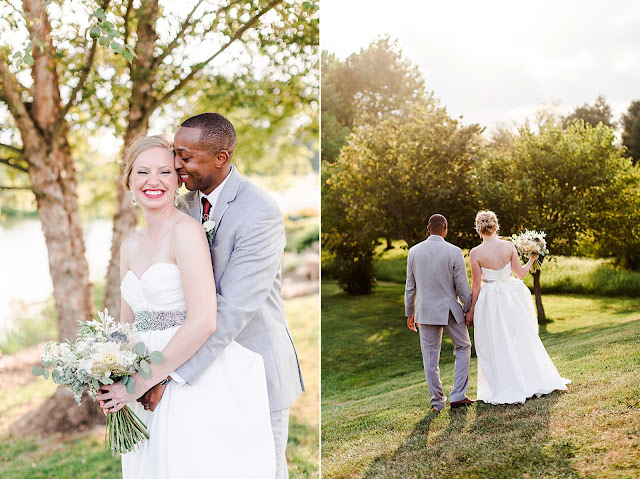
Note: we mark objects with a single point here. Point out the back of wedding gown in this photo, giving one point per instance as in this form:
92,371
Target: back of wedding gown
215,428
513,364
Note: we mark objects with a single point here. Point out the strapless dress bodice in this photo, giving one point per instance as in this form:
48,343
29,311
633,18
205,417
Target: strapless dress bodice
490,275
156,297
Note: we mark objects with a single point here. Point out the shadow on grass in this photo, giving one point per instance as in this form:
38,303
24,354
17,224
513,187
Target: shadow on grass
481,441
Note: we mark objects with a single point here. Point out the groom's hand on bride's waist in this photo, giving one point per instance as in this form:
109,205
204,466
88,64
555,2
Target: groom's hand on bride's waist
152,397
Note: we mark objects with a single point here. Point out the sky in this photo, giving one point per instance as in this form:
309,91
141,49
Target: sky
496,62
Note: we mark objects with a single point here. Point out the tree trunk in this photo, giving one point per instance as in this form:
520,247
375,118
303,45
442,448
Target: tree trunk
537,291
140,109
53,181
54,185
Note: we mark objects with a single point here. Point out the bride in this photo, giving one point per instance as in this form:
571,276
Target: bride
513,364
220,425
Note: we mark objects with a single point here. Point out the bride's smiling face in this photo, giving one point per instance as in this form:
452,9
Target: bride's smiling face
154,180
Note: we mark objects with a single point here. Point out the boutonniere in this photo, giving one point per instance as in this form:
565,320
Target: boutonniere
209,228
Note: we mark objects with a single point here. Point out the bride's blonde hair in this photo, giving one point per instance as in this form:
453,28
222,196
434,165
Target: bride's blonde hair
138,146
487,222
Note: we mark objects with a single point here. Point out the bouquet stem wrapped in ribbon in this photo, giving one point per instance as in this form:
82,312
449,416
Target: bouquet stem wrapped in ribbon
104,352
529,243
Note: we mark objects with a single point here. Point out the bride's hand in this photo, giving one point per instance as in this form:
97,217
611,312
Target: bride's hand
113,397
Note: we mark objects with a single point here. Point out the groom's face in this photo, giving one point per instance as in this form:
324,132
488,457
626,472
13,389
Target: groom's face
199,167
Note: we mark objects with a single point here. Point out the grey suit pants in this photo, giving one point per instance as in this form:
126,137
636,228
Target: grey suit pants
280,426
430,343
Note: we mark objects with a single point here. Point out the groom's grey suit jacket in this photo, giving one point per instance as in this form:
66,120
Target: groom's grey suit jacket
436,278
246,254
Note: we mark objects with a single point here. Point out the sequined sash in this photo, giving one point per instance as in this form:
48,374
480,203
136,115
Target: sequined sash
159,320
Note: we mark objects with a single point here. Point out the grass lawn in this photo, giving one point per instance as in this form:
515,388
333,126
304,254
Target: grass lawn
84,457
376,421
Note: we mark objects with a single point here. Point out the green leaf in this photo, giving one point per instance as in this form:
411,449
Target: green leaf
95,383
55,375
45,373
28,59
130,386
127,55
19,63
140,348
113,34
156,357
94,32
99,13
103,41
116,47
145,370
144,366
107,26
106,380
37,371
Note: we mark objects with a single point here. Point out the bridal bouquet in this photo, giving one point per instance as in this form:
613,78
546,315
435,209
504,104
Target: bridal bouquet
531,242
104,352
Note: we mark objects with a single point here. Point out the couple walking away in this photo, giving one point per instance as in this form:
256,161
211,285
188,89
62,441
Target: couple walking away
513,364
218,405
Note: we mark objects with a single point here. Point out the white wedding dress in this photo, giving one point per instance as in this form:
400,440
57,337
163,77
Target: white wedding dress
218,427
513,364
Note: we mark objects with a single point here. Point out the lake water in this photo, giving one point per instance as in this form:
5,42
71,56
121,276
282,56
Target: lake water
24,266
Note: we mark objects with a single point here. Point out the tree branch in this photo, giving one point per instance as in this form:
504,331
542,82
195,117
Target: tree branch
11,163
11,89
83,78
126,21
174,43
201,65
3,187
14,149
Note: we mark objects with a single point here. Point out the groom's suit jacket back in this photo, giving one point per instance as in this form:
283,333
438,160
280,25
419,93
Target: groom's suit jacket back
246,253
436,278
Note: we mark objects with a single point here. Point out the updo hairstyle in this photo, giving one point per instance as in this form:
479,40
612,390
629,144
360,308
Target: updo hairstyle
487,223
138,146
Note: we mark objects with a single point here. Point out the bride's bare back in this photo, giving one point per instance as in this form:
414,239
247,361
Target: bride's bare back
494,253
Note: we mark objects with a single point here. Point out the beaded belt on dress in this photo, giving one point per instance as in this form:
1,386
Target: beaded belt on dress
158,320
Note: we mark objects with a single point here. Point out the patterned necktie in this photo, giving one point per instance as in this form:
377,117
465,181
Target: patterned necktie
206,207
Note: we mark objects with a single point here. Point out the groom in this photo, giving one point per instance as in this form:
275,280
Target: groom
436,278
246,251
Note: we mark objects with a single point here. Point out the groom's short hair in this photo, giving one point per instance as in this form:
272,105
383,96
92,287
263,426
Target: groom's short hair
216,132
437,222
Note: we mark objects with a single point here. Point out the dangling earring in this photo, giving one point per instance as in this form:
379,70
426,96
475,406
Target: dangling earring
134,200
175,201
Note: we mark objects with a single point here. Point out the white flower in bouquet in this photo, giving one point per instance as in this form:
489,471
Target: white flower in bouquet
104,352
529,243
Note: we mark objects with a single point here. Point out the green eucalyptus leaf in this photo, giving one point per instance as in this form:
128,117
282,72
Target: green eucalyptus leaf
140,348
156,357
37,371
28,59
127,55
95,383
45,373
144,366
106,380
130,386
55,375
